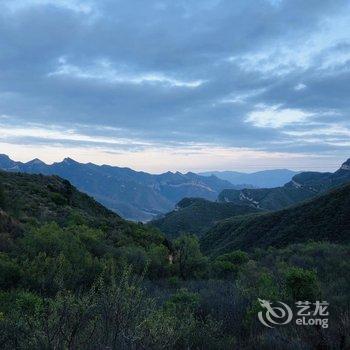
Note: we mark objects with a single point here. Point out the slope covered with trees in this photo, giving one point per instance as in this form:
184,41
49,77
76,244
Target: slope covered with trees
196,216
74,275
135,195
34,200
302,187
326,218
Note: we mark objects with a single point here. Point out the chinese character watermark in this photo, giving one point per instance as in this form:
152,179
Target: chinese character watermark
306,313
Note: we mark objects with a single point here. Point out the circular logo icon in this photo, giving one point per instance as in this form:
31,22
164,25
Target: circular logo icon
274,315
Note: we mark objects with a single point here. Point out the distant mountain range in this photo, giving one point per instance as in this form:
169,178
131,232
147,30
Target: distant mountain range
140,196
134,195
260,179
197,215
325,218
303,186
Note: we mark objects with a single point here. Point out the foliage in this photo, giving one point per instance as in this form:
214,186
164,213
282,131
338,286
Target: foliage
159,264
196,216
66,280
182,300
228,265
2,197
189,260
304,186
115,313
326,218
37,200
302,284
10,272
136,195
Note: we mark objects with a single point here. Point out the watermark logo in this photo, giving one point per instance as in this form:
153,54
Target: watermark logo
274,315
306,313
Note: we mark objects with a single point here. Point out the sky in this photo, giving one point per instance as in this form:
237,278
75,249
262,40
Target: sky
181,85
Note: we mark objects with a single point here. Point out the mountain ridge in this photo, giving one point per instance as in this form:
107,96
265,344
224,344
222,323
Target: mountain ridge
135,195
259,179
34,200
197,215
324,218
303,186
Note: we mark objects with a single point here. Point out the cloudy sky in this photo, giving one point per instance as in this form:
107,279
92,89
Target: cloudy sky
177,85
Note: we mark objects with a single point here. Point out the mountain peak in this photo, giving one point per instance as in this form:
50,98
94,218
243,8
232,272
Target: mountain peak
35,161
6,162
346,165
69,160
4,156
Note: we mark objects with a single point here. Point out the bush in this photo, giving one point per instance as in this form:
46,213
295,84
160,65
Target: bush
182,300
228,265
159,262
223,269
58,199
189,259
302,284
236,257
10,272
2,197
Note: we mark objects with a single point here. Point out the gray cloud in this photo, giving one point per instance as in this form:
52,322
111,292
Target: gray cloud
170,72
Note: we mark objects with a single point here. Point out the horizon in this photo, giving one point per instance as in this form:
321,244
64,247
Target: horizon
172,171
180,86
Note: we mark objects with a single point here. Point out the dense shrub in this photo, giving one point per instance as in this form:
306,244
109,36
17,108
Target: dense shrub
189,259
2,197
66,282
302,284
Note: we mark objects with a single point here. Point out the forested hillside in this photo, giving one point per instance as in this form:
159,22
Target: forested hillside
135,195
326,218
74,275
303,186
196,216
34,200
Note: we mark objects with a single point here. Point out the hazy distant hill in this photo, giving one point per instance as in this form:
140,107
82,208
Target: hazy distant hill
262,179
197,215
134,195
325,218
303,186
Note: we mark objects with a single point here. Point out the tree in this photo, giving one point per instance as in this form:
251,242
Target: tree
236,257
190,260
159,261
2,197
228,265
10,272
182,300
302,284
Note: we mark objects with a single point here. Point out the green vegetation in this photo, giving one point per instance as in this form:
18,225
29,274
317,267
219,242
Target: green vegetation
74,275
326,218
228,265
189,259
34,200
2,197
302,284
135,195
267,198
197,215
303,186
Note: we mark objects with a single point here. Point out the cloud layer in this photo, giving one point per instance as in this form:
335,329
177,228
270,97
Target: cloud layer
179,77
